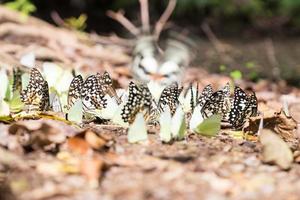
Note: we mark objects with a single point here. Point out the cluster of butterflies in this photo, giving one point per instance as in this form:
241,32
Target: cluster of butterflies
94,90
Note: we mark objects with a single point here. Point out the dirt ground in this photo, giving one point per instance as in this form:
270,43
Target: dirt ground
52,160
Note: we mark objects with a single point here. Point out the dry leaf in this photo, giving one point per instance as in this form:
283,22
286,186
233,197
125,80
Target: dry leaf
278,122
78,145
94,140
40,133
275,150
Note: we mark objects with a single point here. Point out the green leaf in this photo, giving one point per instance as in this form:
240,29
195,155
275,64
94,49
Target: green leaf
137,131
210,127
165,121
15,104
75,113
236,74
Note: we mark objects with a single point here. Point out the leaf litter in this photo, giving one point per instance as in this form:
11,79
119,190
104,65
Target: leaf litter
44,156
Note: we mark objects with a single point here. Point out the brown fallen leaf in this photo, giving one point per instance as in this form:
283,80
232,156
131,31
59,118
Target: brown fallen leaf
79,146
284,126
94,140
275,150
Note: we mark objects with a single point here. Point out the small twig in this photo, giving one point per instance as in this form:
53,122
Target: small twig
213,38
57,19
261,124
164,18
119,16
286,108
271,54
145,15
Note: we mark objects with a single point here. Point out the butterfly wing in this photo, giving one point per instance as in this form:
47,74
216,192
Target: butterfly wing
139,100
217,103
91,93
132,105
74,92
36,93
170,97
106,85
205,94
241,103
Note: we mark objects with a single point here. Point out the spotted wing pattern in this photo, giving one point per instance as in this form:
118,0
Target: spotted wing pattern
36,94
74,90
217,103
169,97
139,100
243,106
92,95
106,85
205,94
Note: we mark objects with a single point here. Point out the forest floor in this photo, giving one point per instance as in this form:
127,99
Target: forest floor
49,159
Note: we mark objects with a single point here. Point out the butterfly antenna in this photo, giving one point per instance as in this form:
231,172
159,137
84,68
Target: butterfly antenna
197,93
73,73
192,102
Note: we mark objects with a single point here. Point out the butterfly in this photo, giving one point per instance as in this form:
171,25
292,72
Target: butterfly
92,95
106,85
244,106
169,97
204,96
217,103
74,92
139,100
36,94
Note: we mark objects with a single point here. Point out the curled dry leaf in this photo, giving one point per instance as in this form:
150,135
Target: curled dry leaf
275,150
284,126
94,140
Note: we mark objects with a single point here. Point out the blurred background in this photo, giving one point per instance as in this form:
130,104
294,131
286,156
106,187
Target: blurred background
249,39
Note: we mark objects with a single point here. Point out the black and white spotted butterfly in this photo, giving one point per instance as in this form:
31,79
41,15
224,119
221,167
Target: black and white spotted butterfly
244,106
139,100
106,85
204,96
36,94
169,97
92,95
74,92
217,103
